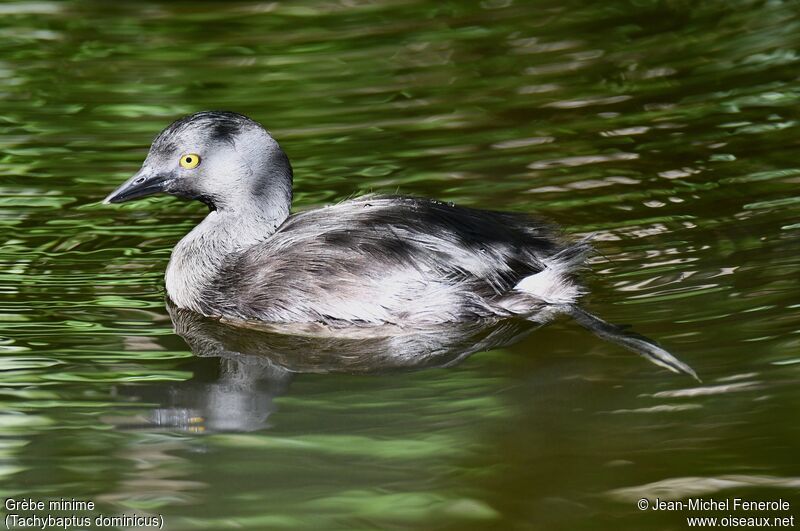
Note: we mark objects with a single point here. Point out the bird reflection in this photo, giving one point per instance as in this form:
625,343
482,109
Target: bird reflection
257,363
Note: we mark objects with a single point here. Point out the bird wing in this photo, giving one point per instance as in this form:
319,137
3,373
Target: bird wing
386,259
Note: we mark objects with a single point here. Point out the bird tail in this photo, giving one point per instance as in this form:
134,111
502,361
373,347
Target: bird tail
630,340
555,283
556,287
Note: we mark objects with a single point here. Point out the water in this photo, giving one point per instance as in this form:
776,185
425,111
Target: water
667,129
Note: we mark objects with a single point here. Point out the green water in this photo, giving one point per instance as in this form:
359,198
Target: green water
668,129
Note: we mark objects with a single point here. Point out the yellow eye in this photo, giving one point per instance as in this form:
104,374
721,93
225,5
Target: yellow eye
190,161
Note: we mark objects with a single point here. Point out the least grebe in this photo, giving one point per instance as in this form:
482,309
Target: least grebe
372,260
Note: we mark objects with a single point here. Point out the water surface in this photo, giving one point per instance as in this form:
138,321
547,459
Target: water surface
669,130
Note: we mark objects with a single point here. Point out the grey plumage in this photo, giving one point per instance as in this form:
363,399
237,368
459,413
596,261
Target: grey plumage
372,260
386,259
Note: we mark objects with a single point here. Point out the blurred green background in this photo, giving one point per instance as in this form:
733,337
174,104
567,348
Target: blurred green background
669,129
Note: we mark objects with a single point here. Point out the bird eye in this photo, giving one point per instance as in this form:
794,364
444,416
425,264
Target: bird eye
190,161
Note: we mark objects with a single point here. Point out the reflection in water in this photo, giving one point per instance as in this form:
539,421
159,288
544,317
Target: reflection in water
239,398
256,364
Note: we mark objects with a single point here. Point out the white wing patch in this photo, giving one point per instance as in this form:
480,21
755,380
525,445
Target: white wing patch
553,284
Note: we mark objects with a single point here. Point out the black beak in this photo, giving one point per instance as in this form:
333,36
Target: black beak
142,184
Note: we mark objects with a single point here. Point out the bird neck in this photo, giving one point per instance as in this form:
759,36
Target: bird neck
200,256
